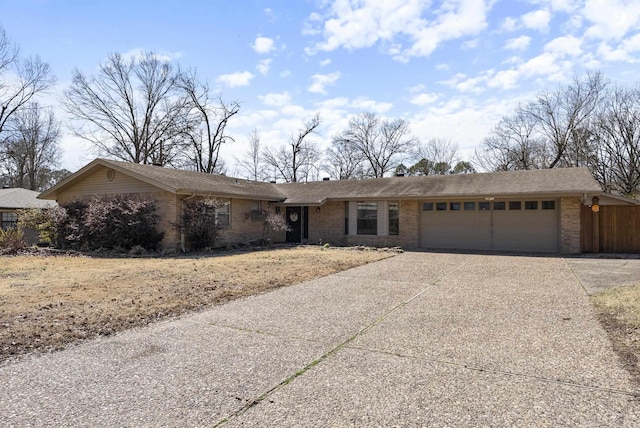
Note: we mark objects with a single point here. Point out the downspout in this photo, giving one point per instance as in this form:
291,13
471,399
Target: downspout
182,237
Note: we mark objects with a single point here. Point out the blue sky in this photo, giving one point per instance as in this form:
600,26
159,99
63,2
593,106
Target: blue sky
451,68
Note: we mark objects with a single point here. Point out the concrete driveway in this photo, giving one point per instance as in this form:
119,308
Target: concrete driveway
421,339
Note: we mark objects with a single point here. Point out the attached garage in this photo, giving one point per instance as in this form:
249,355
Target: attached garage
528,225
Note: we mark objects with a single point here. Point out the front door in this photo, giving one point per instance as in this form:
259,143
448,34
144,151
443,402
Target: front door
294,221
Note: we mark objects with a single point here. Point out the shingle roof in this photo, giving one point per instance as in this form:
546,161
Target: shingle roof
17,198
179,181
563,181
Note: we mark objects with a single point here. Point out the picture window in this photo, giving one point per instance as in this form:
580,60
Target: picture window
367,218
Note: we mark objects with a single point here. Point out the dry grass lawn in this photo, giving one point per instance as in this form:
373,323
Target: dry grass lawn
619,312
48,302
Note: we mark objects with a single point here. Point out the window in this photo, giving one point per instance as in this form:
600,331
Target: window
394,218
530,205
469,206
515,205
454,206
441,206
367,218
499,206
8,220
484,206
255,211
346,218
222,215
548,205
427,206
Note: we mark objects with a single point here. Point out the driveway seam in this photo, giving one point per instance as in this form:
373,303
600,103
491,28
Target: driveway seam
635,394
334,350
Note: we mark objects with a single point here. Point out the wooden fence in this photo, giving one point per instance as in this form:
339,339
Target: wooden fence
615,229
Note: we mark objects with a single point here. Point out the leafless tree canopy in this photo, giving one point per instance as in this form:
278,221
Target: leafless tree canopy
296,160
32,150
380,142
131,110
209,117
251,163
343,160
22,152
587,123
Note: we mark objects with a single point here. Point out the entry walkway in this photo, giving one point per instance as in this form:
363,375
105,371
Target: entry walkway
421,339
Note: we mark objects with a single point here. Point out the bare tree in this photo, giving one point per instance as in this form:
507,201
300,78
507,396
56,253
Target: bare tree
560,114
251,162
31,149
514,144
210,116
434,157
380,142
617,132
20,79
131,110
296,160
343,160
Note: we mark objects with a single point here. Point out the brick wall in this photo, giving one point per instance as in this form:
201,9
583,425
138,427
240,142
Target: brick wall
570,225
242,228
327,226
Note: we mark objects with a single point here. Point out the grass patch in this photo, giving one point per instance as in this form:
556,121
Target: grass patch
49,302
618,309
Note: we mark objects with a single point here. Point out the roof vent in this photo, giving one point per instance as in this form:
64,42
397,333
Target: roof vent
325,179
400,174
273,182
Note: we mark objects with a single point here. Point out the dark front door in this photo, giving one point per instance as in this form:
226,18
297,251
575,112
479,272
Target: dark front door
294,220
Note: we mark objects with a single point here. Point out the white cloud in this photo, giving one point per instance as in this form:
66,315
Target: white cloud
263,45
510,24
264,66
537,20
518,43
424,98
611,19
319,81
422,27
504,79
241,78
285,73
276,99
564,46
325,62
365,104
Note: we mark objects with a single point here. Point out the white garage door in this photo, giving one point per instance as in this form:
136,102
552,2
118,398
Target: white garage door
510,225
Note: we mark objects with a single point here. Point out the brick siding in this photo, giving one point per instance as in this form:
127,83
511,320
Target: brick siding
570,225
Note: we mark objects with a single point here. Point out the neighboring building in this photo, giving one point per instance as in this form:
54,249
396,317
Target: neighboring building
13,199
522,211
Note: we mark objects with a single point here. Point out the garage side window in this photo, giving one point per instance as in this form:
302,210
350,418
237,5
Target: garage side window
367,218
394,218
